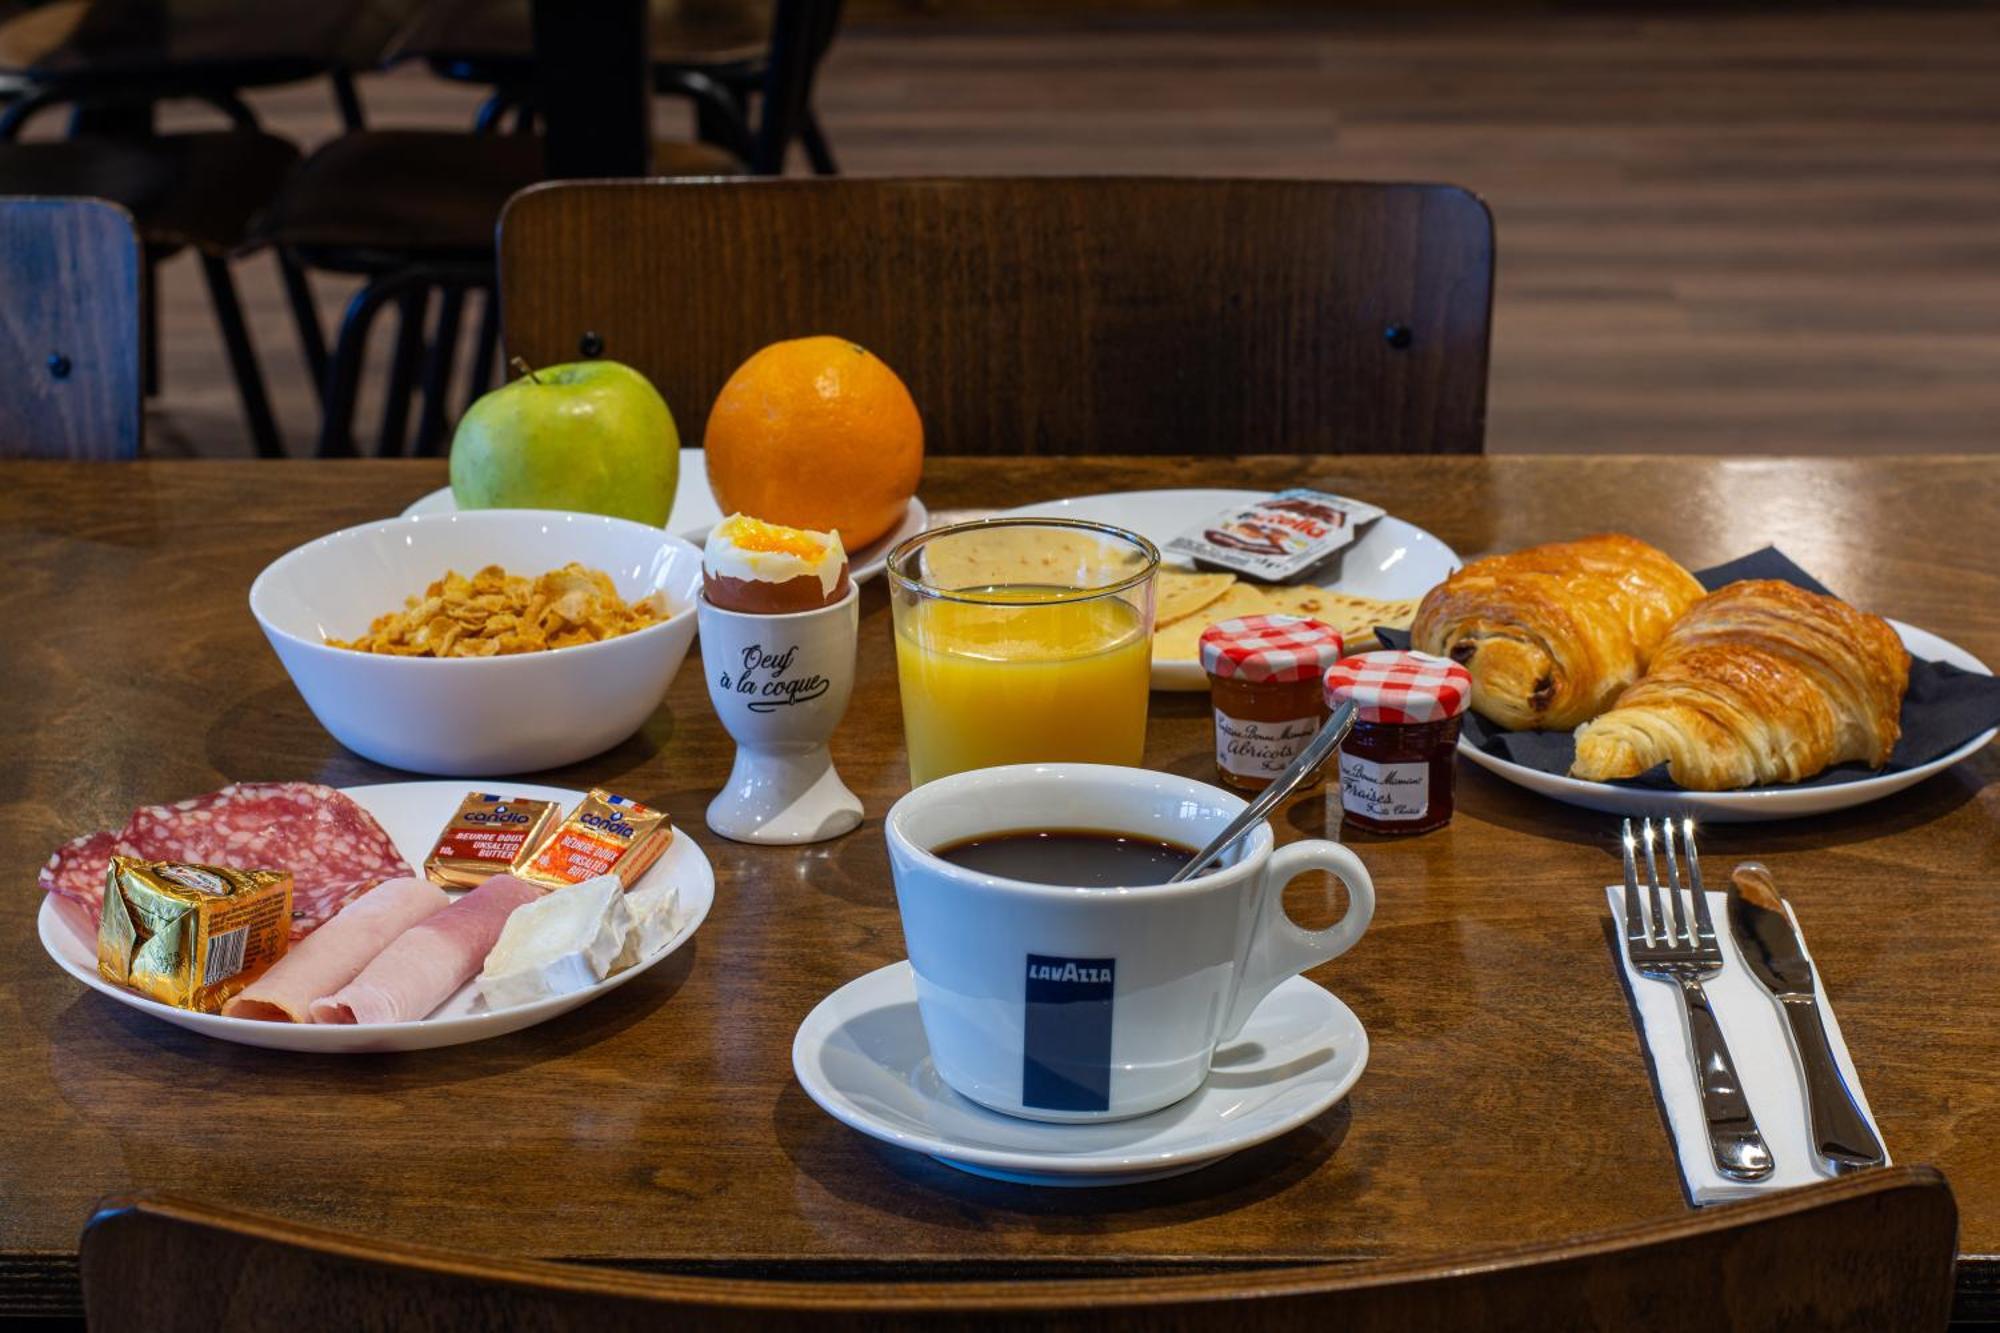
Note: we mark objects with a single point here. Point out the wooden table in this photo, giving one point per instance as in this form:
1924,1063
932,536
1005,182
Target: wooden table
1506,1097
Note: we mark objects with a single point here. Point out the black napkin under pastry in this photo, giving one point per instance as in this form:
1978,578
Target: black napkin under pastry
1944,708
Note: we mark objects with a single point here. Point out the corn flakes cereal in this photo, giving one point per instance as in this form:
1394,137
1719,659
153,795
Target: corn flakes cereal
494,614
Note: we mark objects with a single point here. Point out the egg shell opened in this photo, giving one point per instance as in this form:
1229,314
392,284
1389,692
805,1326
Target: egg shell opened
760,568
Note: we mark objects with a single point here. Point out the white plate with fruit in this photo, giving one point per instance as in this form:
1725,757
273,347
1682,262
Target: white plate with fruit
812,433
695,512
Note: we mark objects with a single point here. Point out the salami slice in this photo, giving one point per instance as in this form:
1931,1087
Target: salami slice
334,849
77,869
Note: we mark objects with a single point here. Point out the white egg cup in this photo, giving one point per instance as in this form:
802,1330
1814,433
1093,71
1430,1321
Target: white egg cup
780,684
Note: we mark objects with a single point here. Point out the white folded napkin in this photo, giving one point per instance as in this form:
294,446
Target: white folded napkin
1755,1032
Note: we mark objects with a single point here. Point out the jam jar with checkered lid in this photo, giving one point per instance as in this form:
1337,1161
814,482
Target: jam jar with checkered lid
1396,765
1264,680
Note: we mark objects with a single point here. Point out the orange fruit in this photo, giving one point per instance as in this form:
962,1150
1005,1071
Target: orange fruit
816,433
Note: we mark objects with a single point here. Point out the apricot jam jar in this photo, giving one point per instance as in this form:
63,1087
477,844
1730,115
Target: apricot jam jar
1265,680
1396,766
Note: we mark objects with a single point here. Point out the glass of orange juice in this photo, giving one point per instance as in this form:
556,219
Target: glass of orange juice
1023,640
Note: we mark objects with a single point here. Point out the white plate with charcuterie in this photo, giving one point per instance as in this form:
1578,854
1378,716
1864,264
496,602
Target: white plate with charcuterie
346,845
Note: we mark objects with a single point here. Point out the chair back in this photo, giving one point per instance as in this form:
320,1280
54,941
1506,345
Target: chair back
69,330
1040,315
1869,1252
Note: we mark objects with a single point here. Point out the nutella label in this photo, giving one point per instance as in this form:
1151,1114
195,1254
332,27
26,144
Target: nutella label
1277,537
1388,793
1253,749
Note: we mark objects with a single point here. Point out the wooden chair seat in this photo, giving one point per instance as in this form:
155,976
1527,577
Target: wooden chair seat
201,190
388,197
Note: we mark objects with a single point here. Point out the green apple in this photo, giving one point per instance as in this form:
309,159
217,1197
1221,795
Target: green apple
590,436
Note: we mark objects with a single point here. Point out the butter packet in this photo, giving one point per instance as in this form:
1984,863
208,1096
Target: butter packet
191,935
604,835
1279,537
487,835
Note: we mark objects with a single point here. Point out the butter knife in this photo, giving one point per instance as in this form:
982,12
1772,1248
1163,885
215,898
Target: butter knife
1770,947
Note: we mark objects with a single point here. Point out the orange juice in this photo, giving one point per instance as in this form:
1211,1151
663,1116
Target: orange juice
1019,677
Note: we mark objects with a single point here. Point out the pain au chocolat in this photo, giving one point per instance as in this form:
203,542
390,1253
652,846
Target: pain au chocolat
1553,634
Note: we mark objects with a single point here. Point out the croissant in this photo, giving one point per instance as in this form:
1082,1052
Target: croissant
1761,682
1552,634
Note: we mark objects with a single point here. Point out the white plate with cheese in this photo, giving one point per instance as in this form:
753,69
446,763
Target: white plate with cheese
1392,560
412,813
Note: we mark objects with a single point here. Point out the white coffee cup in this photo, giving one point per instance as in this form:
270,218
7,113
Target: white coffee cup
1079,1004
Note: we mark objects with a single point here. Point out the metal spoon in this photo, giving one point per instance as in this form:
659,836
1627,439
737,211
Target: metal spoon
1297,775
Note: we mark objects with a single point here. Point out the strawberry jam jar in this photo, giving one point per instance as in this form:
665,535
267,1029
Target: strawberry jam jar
1396,766
1265,682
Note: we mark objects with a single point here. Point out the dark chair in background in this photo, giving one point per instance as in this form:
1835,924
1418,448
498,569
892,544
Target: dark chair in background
112,62
69,330
718,54
413,212
1041,316
1872,1253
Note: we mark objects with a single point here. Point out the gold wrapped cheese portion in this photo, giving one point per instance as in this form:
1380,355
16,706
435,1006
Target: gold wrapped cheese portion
191,935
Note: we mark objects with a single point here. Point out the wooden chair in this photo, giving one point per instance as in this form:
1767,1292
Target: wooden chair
413,212
69,330
1870,1252
1042,315
719,54
111,62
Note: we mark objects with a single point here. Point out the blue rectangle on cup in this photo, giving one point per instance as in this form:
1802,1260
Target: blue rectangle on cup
1066,1046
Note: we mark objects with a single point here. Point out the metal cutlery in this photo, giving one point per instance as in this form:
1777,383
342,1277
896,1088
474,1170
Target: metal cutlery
1684,952
1771,950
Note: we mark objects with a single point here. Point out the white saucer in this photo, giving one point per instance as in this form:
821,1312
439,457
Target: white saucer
695,512
862,1056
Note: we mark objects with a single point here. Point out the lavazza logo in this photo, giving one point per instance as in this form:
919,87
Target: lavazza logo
1068,970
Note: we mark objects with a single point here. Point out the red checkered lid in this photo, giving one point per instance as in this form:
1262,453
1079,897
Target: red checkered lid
1276,650
1400,687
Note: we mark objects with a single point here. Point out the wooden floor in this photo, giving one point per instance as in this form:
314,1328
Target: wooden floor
1760,233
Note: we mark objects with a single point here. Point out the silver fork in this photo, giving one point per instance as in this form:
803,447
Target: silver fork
1684,955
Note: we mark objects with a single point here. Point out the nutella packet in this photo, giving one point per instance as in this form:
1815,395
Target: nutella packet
488,834
604,835
1278,537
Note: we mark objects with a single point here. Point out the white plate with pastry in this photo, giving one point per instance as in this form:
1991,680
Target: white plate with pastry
411,813
1377,580
1752,803
695,512
1747,693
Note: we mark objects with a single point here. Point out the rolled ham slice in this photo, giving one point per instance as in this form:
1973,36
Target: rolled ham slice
335,954
426,963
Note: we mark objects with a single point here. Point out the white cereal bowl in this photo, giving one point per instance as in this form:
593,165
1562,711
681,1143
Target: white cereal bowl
487,715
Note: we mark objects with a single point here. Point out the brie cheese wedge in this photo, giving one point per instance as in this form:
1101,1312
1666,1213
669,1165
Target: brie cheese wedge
654,908
563,942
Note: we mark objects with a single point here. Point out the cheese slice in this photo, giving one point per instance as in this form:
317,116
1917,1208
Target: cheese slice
654,908
562,942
